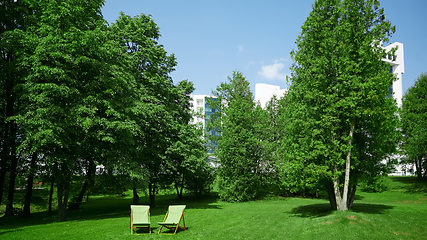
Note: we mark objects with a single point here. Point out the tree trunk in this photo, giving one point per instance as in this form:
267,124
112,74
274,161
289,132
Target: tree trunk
351,197
2,176
52,185
177,190
182,187
342,200
179,187
29,190
151,193
62,192
63,186
337,193
418,165
79,199
12,176
135,199
3,162
8,126
331,196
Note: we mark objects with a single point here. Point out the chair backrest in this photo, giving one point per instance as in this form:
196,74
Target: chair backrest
140,213
174,213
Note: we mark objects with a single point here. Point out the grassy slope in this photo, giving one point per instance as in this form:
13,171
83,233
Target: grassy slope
398,213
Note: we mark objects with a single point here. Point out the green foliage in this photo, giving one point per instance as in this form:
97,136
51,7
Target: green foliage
338,123
375,184
201,178
92,94
414,121
239,150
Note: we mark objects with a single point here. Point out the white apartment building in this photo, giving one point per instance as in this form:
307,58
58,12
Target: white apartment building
200,107
397,67
202,111
264,92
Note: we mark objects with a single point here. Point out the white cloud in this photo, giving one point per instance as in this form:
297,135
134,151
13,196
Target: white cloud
240,48
274,71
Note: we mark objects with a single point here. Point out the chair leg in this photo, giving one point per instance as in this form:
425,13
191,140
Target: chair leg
183,221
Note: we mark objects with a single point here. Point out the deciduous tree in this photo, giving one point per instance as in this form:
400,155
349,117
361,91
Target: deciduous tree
414,123
239,150
339,123
75,90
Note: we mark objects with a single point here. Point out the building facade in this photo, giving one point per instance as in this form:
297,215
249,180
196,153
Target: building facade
264,92
202,112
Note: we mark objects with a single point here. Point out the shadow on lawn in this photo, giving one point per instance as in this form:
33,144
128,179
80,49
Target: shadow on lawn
412,184
324,209
312,210
10,231
111,207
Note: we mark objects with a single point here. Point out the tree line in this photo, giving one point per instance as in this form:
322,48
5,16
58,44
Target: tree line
77,93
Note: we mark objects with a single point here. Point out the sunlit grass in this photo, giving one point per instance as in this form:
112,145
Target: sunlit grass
398,213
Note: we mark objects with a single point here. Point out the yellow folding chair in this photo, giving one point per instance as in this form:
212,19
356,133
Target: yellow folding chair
172,219
139,217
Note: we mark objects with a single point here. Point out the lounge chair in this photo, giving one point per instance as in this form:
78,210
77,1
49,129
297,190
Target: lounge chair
139,217
173,218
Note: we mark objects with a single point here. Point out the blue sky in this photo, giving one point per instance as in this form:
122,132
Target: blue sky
210,39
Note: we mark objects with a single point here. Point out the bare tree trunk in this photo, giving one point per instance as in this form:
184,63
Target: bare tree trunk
135,198
79,199
63,192
337,193
3,162
2,175
182,186
179,187
52,185
342,201
151,193
331,196
347,169
418,164
63,186
29,190
351,197
12,176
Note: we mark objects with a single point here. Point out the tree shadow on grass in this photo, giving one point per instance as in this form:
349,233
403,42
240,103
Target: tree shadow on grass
312,211
111,207
412,184
322,210
10,231
371,208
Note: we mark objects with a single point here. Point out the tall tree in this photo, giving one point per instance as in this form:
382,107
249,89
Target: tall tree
339,123
76,88
158,110
414,122
238,144
15,18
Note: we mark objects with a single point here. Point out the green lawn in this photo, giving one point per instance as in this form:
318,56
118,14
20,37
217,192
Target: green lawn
398,213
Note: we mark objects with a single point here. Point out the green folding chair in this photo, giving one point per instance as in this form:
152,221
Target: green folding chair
172,219
139,217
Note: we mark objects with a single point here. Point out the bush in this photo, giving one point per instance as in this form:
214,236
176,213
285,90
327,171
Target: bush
374,184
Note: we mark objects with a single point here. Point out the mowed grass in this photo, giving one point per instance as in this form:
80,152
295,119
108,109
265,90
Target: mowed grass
398,213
